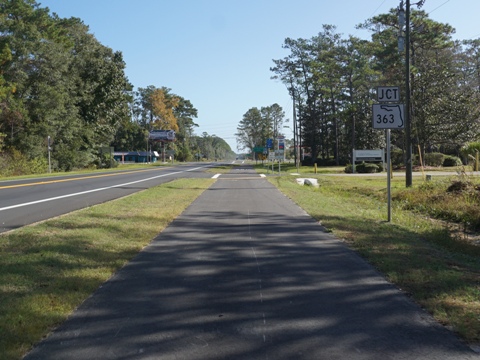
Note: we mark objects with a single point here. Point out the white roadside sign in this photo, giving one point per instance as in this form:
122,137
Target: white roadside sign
388,116
388,93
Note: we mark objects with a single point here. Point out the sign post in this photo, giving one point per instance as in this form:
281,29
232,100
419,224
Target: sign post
49,148
388,115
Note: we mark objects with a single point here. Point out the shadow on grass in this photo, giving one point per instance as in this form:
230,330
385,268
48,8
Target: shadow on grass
48,270
236,285
434,269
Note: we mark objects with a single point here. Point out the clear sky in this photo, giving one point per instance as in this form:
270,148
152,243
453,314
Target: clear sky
218,53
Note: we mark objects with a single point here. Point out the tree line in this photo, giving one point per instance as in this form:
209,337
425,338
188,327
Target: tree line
333,80
258,125
58,81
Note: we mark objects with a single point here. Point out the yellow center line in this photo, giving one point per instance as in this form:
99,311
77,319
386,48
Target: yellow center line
72,179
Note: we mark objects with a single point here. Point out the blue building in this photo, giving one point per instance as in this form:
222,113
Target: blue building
125,157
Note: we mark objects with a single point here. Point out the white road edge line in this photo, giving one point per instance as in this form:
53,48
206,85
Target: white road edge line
216,176
94,190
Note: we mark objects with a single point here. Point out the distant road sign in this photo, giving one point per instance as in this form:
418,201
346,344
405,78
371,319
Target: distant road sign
369,155
162,135
388,94
279,154
388,116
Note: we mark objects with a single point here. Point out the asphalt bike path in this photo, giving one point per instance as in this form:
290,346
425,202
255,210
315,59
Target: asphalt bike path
244,273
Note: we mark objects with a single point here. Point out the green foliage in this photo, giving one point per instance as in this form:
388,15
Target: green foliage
331,80
364,168
397,157
258,125
50,268
434,159
57,80
159,108
451,161
15,163
211,147
456,200
470,148
436,265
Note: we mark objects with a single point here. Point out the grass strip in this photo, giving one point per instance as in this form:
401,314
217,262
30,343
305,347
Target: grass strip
48,269
439,271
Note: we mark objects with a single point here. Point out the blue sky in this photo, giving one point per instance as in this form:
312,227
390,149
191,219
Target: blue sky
218,53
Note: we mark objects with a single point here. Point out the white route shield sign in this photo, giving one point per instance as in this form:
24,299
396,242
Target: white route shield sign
388,116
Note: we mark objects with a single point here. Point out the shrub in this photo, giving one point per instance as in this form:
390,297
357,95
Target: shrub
434,159
396,155
364,168
15,163
371,168
470,148
452,161
307,161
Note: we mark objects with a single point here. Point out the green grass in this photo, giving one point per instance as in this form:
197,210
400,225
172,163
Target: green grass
120,167
221,168
48,269
420,255
289,168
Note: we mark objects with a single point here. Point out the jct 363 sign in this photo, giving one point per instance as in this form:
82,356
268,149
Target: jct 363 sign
388,116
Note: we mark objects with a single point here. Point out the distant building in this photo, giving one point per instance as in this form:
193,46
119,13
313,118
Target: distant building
135,156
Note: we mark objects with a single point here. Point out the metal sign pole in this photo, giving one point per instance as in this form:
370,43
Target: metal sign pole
389,194
49,149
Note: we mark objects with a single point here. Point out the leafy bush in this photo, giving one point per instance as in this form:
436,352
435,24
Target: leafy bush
452,161
434,159
370,168
397,157
470,152
455,200
364,168
470,148
15,163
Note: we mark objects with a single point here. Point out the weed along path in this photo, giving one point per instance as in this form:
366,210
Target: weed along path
244,273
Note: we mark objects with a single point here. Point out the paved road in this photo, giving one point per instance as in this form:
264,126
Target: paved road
26,201
246,274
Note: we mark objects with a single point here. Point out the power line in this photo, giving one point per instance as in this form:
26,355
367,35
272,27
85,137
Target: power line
374,12
438,7
379,6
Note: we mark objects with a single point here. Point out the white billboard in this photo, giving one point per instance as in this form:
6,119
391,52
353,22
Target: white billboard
162,135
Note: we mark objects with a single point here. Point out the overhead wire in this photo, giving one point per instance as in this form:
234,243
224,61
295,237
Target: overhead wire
442,4
373,13
438,7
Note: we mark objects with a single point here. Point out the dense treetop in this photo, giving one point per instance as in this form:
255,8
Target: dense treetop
333,81
57,80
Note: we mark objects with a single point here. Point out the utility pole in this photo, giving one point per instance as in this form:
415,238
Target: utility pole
49,148
408,92
408,119
295,139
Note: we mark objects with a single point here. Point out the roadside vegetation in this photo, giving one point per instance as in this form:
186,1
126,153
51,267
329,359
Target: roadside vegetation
48,269
120,167
221,168
430,249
